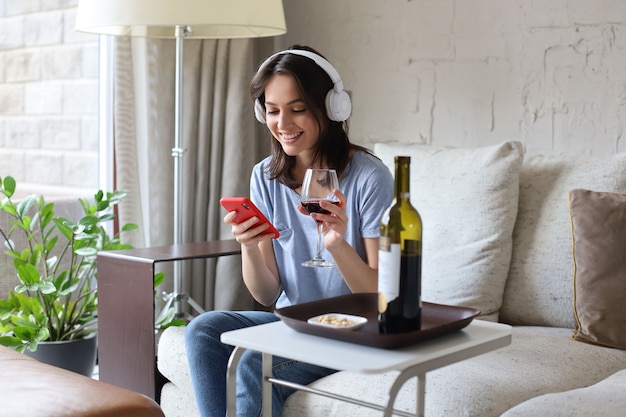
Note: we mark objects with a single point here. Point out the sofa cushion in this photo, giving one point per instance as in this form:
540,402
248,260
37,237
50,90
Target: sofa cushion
604,399
599,246
467,199
539,360
178,402
539,288
172,357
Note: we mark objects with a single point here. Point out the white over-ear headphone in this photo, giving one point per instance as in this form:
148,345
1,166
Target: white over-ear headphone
338,104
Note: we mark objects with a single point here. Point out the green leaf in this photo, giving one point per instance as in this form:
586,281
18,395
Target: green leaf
89,224
102,205
159,278
129,227
98,195
34,221
46,287
61,278
28,306
24,224
47,213
25,205
51,243
6,309
107,217
65,227
165,317
25,331
8,186
10,341
51,262
86,251
116,196
68,286
19,258
35,257
9,208
9,244
28,274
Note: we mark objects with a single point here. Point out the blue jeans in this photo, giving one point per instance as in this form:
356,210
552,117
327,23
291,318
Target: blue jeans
208,360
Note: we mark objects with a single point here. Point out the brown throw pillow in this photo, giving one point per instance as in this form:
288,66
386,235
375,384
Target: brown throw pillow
598,222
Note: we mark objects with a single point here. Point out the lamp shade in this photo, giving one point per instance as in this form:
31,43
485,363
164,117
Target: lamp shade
207,19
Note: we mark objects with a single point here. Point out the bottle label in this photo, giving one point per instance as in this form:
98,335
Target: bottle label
388,272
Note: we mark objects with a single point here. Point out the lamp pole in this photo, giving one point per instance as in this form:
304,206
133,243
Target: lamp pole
178,297
178,151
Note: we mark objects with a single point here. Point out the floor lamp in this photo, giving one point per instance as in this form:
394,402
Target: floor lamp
181,19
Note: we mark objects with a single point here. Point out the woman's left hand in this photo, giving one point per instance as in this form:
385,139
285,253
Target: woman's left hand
335,223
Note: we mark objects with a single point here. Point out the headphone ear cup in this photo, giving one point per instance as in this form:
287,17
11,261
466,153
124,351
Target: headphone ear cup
338,105
259,111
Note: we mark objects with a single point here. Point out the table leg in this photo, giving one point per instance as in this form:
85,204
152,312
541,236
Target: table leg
399,383
231,381
421,394
267,385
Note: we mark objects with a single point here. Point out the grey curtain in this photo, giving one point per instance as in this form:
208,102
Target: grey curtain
220,134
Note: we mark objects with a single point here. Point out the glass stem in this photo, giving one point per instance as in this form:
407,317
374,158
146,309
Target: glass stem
320,236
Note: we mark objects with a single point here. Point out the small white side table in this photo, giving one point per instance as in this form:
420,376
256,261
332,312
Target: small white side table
412,361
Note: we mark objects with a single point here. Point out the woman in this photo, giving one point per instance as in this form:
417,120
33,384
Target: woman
290,90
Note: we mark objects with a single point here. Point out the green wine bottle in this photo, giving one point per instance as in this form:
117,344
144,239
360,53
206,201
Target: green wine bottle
400,259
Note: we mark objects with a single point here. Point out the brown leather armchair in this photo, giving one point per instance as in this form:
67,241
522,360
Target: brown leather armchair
31,388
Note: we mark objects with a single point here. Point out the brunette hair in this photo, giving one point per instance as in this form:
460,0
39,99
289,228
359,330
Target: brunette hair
333,146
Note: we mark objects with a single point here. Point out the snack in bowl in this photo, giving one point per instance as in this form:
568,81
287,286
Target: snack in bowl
338,321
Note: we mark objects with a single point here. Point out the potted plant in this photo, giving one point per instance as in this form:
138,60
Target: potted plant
56,299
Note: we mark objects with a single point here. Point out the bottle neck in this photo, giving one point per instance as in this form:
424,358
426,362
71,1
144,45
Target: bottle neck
402,164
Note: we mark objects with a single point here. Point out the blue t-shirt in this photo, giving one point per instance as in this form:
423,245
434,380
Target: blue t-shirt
368,186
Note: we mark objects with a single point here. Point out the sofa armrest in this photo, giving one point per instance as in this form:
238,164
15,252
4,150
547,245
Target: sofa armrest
126,338
33,388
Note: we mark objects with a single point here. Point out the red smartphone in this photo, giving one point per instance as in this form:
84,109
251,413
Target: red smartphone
246,209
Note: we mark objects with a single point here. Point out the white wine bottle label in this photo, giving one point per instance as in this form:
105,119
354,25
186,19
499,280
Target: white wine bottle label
388,272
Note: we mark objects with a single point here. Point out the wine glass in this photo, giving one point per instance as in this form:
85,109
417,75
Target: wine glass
318,185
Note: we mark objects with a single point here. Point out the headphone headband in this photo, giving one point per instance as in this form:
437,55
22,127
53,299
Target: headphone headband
338,104
319,60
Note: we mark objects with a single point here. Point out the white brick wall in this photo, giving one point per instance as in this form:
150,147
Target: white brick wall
474,72
48,95
446,72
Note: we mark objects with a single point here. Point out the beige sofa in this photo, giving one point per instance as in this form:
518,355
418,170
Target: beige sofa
498,237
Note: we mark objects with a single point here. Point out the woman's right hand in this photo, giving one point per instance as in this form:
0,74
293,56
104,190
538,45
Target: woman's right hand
247,233
258,263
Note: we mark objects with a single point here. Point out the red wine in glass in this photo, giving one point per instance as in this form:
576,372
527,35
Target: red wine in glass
313,206
317,186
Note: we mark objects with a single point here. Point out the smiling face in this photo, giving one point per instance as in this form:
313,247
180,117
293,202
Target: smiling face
289,120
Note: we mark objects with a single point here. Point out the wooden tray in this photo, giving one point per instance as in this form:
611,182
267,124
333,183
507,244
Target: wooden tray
437,320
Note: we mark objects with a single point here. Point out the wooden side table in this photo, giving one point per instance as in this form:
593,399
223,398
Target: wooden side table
126,337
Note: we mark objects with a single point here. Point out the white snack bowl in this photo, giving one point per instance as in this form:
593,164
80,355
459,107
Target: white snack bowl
356,321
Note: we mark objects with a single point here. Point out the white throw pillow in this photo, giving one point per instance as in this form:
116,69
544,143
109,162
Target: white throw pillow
467,199
539,290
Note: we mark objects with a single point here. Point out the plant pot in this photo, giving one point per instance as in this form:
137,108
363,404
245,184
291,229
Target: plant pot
74,355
